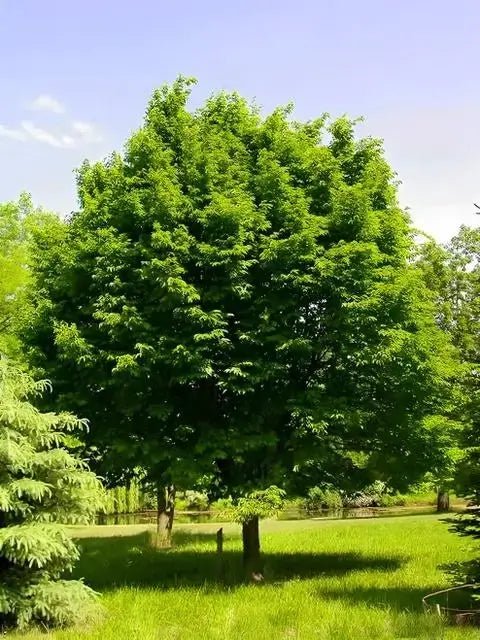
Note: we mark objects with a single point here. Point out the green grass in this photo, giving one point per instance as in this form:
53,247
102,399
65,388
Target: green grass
325,580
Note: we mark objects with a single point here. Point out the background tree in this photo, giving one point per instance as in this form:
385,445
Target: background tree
464,301
234,301
18,221
13,269
452,276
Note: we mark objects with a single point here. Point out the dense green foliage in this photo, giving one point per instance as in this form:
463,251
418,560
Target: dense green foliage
41,484
453,274
19,222
464,261
260,504
13,270
124,499
233,302
323,498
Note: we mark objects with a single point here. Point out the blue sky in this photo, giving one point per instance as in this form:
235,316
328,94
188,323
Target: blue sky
75,78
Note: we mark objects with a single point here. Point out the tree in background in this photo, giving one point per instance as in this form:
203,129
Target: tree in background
41,484
459,295
13,270
452,276
234,301
18,221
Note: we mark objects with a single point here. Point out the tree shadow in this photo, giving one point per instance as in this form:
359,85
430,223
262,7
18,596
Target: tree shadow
107,563
397,598
463,571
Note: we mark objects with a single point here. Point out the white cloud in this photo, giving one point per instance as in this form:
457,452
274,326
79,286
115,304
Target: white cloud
45,102
68,141
41,135
13,134
72,135
86,131
79,134
83,128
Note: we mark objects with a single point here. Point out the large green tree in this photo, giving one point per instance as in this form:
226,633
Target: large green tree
234,301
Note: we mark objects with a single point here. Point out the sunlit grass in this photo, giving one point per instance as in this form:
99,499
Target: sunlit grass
325,580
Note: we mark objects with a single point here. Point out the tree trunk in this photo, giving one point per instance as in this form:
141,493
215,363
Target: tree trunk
252,561
443,500
128,507
5,564
165,514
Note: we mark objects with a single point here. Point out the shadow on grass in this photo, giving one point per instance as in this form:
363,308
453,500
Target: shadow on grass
120,561
397,598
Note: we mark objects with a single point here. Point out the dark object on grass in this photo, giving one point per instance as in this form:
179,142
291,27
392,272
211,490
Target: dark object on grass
220,563
454,605
220,540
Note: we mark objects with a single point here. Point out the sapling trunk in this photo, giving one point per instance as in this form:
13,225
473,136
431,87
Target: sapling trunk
220,565
252,560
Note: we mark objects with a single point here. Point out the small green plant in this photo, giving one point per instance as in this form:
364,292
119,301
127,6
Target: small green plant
41,485
259,504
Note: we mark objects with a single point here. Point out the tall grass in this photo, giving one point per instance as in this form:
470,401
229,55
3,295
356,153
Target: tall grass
325,580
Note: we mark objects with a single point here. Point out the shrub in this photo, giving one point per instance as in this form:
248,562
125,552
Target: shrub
323,498
196,501
392,500
294,504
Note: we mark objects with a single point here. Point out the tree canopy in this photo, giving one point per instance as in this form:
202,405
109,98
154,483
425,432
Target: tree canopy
235,302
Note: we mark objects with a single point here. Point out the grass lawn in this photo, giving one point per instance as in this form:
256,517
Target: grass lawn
325,580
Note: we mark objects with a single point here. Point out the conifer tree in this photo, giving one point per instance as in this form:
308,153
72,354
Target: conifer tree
41,485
